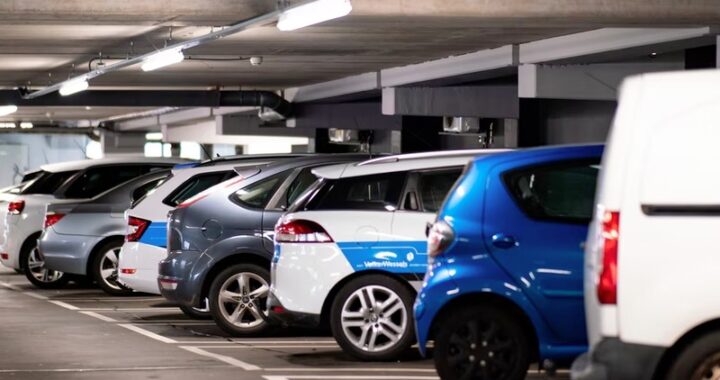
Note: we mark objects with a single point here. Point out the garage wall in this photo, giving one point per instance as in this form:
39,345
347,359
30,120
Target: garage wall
40,150
552,122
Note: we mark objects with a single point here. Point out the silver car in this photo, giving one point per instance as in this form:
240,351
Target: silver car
84,237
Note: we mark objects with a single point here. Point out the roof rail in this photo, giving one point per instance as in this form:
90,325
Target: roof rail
425,155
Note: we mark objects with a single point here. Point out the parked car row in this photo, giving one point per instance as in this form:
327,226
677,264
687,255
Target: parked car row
501,258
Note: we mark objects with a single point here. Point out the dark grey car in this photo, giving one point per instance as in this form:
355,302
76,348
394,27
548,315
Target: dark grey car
220,243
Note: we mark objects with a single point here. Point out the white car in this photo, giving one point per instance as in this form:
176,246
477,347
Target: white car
652,254
24,214
146,241
352,250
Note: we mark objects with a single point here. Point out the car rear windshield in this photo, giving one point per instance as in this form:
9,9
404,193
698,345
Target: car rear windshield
372,192
47,182
562,192
99,179
197,184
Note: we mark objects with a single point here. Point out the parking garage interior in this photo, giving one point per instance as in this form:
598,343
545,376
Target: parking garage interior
390,77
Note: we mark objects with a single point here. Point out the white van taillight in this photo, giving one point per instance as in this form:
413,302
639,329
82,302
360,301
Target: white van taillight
136,228
301,231
16,207
439,238
607,283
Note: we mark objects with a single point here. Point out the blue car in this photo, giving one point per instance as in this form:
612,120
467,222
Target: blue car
504,287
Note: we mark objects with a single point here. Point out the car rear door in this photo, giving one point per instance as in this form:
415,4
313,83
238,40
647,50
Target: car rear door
534,225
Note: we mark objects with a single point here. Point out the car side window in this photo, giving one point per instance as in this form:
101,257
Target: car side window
195,185
99,179
434,186
298,186
563,192
372,192
258,194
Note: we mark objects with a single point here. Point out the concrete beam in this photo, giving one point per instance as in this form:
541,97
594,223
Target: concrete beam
602,41
251,125
481,61
582,82
343,115
180,117
356,84
490,101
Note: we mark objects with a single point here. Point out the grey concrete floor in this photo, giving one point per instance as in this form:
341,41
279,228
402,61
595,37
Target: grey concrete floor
81,333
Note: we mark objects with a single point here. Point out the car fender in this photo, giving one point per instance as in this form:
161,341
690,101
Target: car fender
226,248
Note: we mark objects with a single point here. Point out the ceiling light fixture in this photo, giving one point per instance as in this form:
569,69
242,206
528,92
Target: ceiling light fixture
7,110
26,125
162,58
7,125
313,13
74,86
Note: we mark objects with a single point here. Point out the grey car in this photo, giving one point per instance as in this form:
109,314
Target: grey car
220,243
84,237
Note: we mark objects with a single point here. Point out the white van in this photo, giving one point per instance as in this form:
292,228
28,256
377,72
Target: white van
652,294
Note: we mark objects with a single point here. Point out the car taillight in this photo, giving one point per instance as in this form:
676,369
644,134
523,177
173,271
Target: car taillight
439,238
51,218
301,231
607,282
136,228
16,207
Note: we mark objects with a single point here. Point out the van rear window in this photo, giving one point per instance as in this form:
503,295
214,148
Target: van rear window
372,192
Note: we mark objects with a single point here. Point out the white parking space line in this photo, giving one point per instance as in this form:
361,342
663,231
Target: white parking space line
258,341
222,358
65,305
9,286
98,316
147,333
349,377
35,295
133,309
119,369
238,346
112,299
163,323
350,369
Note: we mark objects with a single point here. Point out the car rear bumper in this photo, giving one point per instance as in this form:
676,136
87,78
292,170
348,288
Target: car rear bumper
613,359
67,253
138,266
177,280
279,315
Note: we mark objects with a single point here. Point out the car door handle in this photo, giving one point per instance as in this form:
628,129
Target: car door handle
504,241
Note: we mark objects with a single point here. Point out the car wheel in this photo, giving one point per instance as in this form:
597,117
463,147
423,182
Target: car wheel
196,312
481,342
700,360
371,318
104,269
35,270
238,298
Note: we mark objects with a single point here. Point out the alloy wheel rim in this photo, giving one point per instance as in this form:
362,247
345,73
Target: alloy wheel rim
482,349
36,264
242,300
374,318
709,369
109,268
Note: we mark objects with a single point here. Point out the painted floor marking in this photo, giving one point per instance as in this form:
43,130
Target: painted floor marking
65,305
250,346
350,369
35,295
147,333
98,316
349,377
225,359
103,369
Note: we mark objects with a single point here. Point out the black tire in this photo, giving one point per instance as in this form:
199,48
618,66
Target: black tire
462,353
222,309
39,276
195,313
99,268
697,359
381,326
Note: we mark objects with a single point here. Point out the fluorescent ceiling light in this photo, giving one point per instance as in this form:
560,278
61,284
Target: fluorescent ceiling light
7,110
162,59
7,125
26,125
313,13
154,136
74,86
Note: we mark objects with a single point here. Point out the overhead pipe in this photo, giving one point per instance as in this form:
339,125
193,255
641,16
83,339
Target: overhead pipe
154,98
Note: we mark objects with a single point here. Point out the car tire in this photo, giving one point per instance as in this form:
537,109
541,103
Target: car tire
379,331
196,313
240,311
462,353
34,268
698,359
103,268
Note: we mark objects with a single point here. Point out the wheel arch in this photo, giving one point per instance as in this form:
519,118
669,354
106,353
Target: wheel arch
21,257
96,250
327,304
495,300
671,354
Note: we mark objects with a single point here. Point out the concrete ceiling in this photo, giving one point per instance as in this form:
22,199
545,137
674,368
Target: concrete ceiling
41,40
